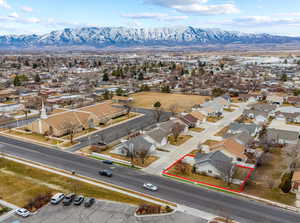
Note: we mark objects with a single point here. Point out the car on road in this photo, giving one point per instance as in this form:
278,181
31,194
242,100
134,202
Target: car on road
22,212
107,173
68,199
110,162
150,187
57,198
78,200
89,202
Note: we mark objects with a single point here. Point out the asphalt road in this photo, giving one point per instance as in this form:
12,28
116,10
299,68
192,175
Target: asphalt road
215,202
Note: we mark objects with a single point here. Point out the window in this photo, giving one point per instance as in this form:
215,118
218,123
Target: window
209,171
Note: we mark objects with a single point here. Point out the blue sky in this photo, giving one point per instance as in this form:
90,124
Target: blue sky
255,16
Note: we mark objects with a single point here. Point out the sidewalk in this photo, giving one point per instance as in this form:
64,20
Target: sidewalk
8,214
115,188
176,152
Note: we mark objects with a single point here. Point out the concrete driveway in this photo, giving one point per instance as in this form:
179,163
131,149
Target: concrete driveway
100,212
280,124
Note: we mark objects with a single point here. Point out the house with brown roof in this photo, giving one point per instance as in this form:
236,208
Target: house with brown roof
59,122
232,148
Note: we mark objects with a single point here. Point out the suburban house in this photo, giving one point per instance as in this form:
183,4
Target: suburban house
296,181
62,120
210,109
200,116
278,136
10,108
136,145
293,100
157,136
215,164
275,99
168,125
288,117
248,98
190,120
232,148
236,128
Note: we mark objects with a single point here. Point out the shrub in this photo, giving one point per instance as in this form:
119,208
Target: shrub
286,182
145,209
38,202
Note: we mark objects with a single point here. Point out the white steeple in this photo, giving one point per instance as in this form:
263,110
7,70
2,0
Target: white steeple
43,111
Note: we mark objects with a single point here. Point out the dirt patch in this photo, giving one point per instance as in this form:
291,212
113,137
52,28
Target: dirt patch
182,102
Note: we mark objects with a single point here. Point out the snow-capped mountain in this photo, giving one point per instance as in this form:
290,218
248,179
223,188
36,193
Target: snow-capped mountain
100,37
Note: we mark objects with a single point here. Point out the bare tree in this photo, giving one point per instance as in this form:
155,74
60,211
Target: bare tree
128,107
181,167
227,171
142,155
70,128
176,131
174,108
293,154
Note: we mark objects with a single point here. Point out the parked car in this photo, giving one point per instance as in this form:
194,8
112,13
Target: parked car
68,199
107,173
78,200
89,202
57,198
22,212
108,162
150,187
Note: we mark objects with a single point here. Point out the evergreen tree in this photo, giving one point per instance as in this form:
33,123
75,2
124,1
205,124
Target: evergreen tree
17,81
286,182
141,76
105,77
37,78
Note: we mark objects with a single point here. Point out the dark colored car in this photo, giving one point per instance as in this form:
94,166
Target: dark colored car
68,199
108,162
89,202
106,173
78,200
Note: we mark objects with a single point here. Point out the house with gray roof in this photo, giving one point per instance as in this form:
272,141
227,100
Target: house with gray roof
136,145
278,136
157,136
215,164
236,128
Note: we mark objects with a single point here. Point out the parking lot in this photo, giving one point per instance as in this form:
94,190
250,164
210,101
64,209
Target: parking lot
100,212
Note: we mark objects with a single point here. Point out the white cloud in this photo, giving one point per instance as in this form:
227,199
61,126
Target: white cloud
264,21
4,4
157,16
197,7
13,15
26,9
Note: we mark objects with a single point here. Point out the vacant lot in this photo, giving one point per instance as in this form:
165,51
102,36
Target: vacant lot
182,102
20,183
267,178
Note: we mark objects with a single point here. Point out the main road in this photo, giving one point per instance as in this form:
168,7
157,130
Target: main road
214,202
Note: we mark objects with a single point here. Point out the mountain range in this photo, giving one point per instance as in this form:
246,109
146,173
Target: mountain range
102,37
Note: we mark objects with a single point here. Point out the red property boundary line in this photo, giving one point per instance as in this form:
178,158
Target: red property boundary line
242,187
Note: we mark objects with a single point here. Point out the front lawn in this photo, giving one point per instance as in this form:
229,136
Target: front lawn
180,140
34,136
197,129
214,119
202,178
222,132
210,142
20,183
267,178
123,118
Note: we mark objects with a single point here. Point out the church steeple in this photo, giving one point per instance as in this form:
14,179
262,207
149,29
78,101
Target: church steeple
43,111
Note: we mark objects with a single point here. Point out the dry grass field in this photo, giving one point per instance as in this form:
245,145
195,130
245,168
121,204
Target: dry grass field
183,102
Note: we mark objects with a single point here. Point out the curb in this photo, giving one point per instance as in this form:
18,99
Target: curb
95,182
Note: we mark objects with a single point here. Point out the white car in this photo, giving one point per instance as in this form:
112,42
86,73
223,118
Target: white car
22,212
150,186
57,198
